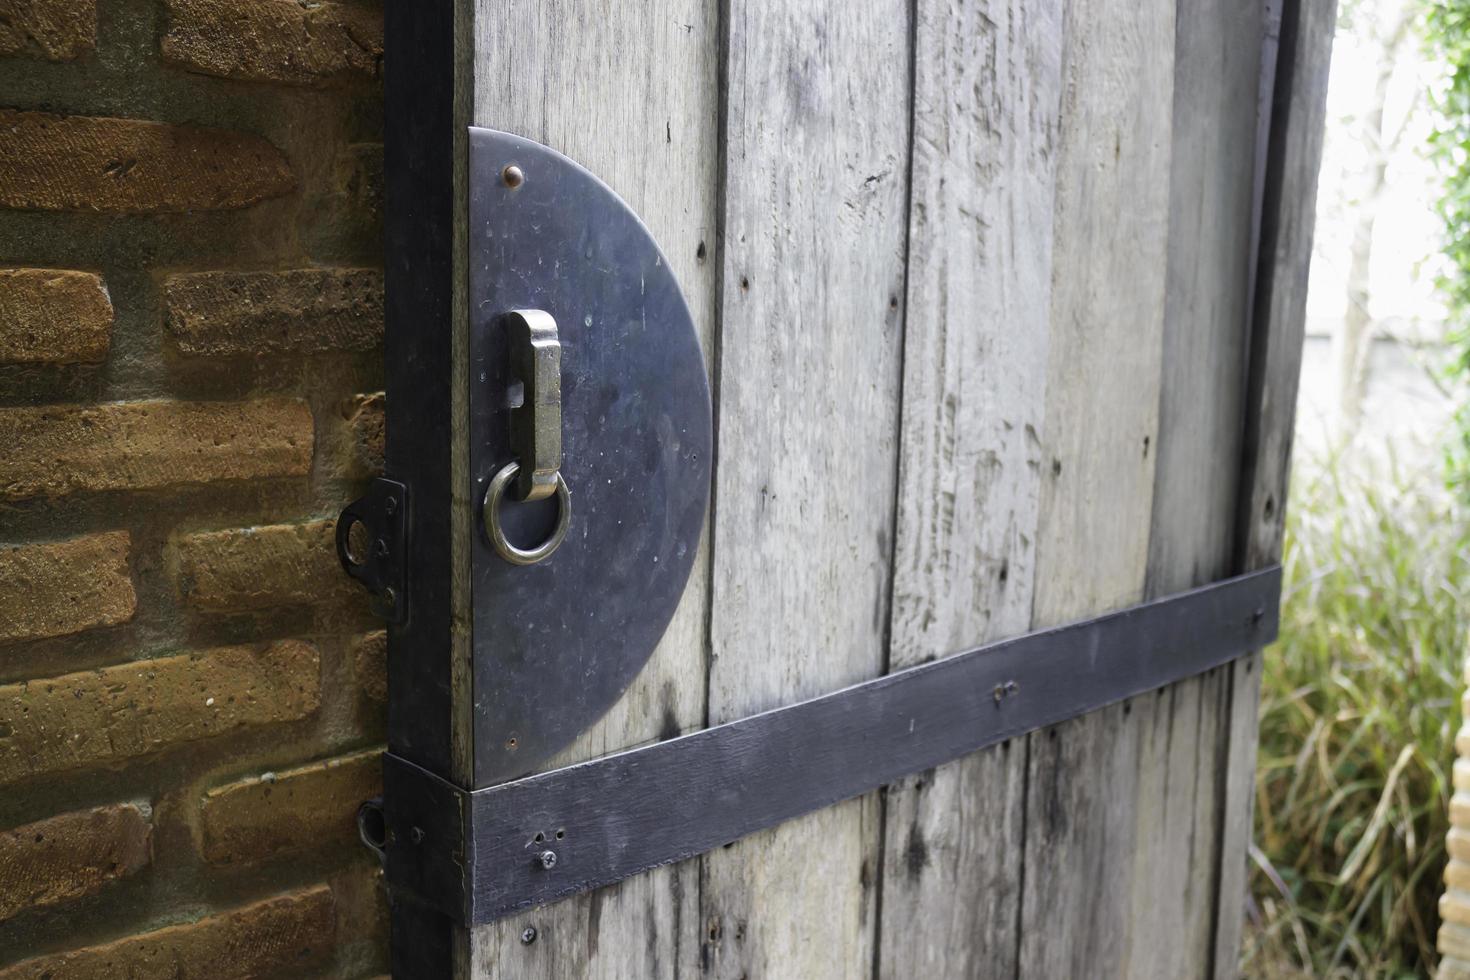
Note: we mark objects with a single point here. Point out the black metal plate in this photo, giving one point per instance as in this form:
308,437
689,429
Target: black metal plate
555,644
383,512
623,814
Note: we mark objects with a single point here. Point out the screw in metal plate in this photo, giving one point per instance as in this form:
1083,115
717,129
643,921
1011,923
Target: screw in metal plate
416,835
528,935
513,176
390,506
548,859
390,598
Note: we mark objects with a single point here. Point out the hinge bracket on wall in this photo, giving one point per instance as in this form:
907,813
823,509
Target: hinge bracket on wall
484,854
372,544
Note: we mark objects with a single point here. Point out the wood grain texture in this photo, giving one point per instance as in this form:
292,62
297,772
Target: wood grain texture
1207,300
816,154
986,98
630,91
1100,439
1183,733
1288,219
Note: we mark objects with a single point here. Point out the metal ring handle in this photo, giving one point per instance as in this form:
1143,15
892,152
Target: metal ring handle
522,556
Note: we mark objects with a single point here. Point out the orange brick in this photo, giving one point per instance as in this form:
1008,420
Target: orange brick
274,40
53,316
56,450
65,857
290,935
57,588
362,911
112,715
57,30
299,809
258,567
370,668
132,166
297,311
364,415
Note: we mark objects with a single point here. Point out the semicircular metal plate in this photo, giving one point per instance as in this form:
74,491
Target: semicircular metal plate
557,643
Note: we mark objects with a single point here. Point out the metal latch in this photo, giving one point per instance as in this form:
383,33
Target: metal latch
372,544
535,426
535,435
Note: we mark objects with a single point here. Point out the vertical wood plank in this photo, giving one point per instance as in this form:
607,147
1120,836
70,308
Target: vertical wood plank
816,160
1100,439
1288,219
987,91
1288,222
630,91
1183,731
1207,306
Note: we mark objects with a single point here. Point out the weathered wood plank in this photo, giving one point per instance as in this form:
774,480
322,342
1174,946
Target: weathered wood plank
1288,219
1206,318
987,93
1207,304
817,110
1100,439
631,91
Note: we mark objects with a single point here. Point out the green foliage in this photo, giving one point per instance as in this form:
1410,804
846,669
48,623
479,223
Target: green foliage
1446,27
1358,714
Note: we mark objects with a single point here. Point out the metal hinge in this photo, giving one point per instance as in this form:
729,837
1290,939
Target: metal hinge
372,543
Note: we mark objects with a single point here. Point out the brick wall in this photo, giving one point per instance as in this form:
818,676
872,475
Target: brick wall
191,696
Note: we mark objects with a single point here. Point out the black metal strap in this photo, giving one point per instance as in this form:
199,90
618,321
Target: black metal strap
479,856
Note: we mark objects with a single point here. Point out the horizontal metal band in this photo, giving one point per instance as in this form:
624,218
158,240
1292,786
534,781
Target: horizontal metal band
479,856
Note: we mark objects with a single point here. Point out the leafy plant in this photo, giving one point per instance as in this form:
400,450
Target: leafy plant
1446,31
1358,714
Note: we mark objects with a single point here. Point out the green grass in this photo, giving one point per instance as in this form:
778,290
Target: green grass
1358,714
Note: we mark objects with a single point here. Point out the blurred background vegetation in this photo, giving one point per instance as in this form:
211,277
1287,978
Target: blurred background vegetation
1361,696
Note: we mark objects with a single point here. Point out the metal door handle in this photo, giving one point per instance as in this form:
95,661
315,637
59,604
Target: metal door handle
535,435
535,426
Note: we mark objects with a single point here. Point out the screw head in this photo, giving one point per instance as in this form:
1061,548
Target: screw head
513,176
528,935
390,506
381,548
390,598
548,859
416,835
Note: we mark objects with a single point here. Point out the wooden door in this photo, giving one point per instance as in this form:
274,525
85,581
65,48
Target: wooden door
978,291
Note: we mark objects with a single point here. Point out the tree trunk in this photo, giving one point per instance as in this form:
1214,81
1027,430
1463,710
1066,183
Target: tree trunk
1355,339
